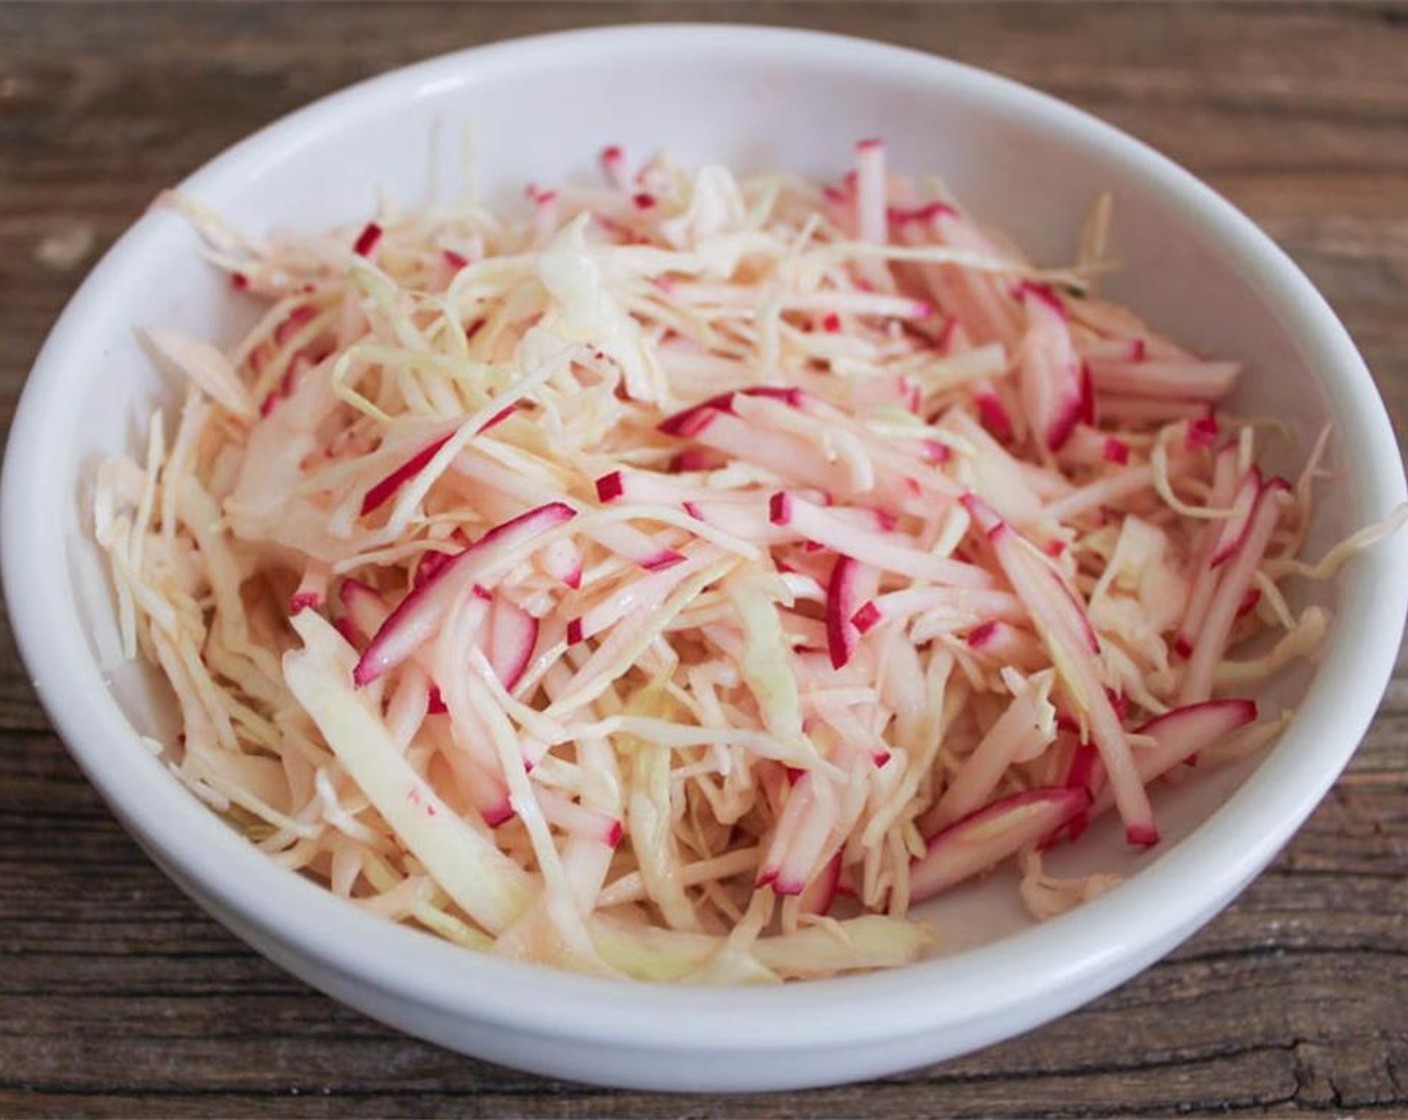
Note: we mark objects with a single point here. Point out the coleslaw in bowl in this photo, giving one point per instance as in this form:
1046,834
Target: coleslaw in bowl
1264,311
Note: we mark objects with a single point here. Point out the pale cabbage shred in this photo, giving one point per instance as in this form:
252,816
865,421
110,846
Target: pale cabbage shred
622,807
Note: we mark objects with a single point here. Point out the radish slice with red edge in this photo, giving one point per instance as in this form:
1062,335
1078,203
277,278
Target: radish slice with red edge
982,840
414,621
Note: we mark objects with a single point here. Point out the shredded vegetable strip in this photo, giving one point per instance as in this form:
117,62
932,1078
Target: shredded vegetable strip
685,579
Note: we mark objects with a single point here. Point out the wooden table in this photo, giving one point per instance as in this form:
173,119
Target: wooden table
119,998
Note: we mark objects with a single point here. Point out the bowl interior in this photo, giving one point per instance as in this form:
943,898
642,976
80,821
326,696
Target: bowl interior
752,102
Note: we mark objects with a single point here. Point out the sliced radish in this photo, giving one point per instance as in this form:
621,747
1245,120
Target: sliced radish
1204,577
577,819
871,192
1053,387
696,459
1003,644
368,240
1233,534
1232,586
992,412
686,422
638,595
366,607
1064,629
429,564
384,490
1180,735
1166,380
901,216
870,545
513,635
1202,430
842,602
415,620
312,588
800,837
1023,729
562,560
781,453
984,839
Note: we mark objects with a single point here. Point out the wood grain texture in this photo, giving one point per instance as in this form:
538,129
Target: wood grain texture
119,998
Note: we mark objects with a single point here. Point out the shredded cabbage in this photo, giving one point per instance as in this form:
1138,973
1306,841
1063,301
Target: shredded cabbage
684,580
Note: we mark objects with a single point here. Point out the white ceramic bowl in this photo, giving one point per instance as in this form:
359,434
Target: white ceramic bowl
540,108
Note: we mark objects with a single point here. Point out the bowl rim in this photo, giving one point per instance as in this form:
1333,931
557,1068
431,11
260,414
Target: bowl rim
1030,976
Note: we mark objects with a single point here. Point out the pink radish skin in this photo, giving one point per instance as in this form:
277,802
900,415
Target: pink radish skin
366,607
1052,380
1016,734
1009,548
513,635
1202,431
1233,534
613,164
430,563
578,820
1178,736
609,487
1006,645
652,487
1066,632
386,489
994,833
749,521
967,606
1086,446
368,240
866,618
927,213
871,192
563,561
643,594
992,414
834,532
312,588
697,459
778,452
1203,576
413,622
665,558
800,837
348,629
682,423
499,417
297,319
1233,584
841,605
1084,763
